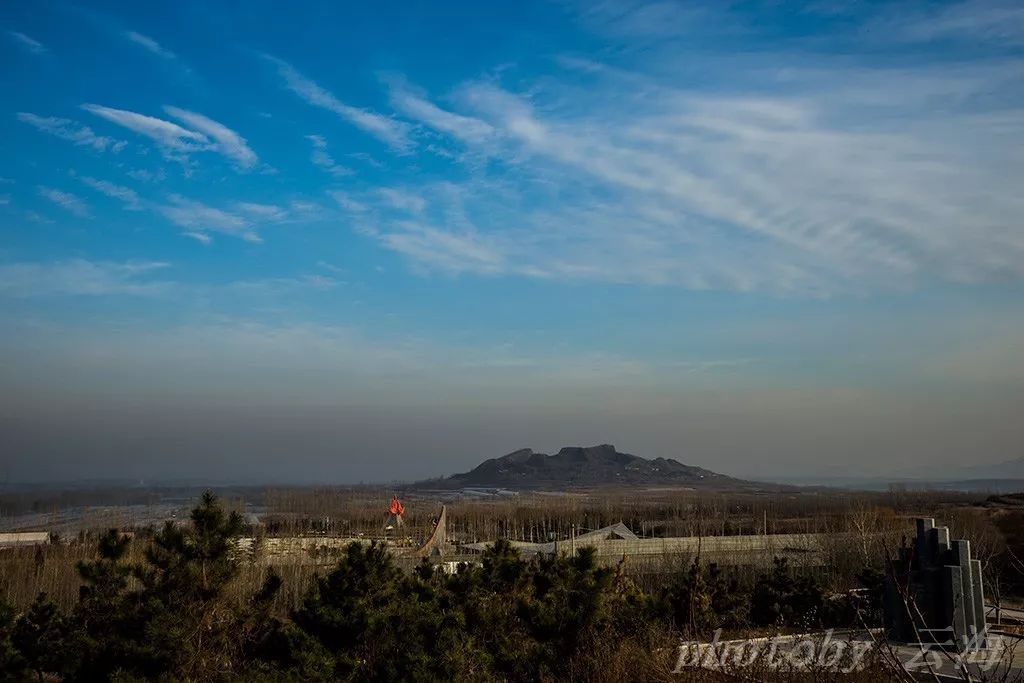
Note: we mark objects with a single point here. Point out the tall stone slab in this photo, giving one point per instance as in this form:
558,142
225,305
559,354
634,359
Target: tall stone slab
953,614
943,588
979,602
960,557
922,547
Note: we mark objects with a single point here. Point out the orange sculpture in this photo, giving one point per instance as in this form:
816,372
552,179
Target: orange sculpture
396,508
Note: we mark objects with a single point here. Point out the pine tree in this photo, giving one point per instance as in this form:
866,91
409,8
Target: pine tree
12,664
39,637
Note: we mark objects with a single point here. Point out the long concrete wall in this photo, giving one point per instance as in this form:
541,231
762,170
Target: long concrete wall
777,543
16,538
727,550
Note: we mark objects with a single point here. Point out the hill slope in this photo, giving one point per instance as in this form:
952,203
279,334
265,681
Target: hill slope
1011,469
576,466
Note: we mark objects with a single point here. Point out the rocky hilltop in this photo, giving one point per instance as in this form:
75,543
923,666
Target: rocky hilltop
593,466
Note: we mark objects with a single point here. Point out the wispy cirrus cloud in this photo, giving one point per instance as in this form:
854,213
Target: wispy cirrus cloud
126,195
65,200
176,141
402,200
447,250
784,177
262,212
238,219
200,237
793,180
169,136
345,201
149,44
284,285
146,176
226,141
81,277
200,219
393,133
71,131
991,21
466,128
320,157
28,42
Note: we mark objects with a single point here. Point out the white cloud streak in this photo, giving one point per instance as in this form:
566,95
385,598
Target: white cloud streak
242,219
198,219
346,202
446,250
178,142
990,21
393,133
169,136
793,181
402,200
226,141
125,195
80,277
65,200
320,157
264,212
465,128
27,42
65,129
283,285
200,237
149,44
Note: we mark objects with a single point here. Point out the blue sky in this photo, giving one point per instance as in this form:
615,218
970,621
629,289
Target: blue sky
760,237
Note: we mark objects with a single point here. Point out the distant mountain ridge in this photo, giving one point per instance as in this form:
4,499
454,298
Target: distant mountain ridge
1006,470
591,466
1011,469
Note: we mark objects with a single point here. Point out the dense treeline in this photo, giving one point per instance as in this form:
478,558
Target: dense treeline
177,614
527,516
860,528
534,517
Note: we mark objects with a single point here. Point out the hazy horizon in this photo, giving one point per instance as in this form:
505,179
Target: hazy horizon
342,244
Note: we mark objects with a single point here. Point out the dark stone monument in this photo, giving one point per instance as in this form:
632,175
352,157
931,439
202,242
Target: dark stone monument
933,592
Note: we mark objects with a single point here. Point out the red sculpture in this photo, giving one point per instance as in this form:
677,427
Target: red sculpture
396,508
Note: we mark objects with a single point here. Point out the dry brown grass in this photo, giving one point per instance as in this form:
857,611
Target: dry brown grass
878,518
